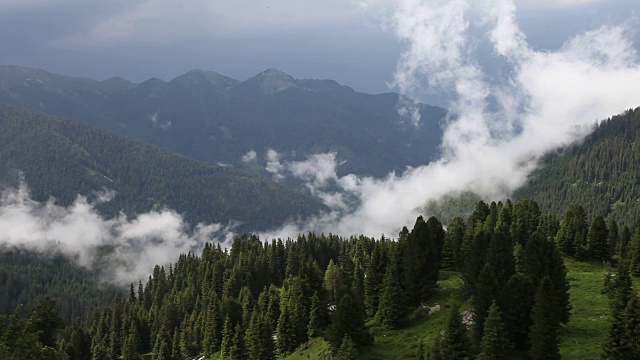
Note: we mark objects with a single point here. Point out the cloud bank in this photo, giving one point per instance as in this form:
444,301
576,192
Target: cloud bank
499,130
127,249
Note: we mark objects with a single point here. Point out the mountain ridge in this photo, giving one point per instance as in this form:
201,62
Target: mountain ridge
210,117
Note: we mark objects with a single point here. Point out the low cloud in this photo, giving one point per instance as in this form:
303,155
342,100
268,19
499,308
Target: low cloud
134,245
497,132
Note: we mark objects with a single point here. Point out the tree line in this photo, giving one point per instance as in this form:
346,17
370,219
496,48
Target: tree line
262,300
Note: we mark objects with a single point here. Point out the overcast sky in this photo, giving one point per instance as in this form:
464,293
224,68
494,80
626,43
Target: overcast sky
343,40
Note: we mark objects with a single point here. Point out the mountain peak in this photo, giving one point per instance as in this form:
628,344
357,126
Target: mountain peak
211,77
272,81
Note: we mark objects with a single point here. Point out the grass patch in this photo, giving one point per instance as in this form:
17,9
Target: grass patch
581,338
584,335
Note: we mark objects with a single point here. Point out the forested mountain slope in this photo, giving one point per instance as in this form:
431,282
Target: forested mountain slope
26,278
63,158
207,116
602,172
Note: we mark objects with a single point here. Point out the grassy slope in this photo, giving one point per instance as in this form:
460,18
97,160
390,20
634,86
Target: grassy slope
584,335
582,338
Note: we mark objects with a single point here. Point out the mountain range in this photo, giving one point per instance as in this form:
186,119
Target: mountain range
210,117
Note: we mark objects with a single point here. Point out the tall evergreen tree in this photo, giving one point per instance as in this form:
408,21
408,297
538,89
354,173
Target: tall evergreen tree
391,308
546,324
494,341
597,239
455,341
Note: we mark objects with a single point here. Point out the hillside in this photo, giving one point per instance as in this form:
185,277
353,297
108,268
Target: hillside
63,158
432,293
602,172
210,117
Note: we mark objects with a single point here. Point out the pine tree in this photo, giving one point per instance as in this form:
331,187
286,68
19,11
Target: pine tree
391,308
544,331
315,316
613,238
227,338
541,259
633,324
435,352
99,351
516,302
455,343
258,342
494,341
375,275
597,239
130,350
236,351
347,350
625,239
619,344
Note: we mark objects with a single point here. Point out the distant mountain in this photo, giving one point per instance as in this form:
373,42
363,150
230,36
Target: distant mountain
63,158
207,116
602,173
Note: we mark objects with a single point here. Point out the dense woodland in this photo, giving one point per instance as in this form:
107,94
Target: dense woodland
63,158
601,173
262,300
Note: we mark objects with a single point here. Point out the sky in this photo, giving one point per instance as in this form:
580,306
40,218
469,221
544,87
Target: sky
344,40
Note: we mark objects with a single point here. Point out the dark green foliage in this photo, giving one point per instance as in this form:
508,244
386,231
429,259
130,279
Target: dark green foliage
625,242
375,276
19,339
546,324
454,344
258,342
347,322
391,308
516,303
600,173
347,350
420,255
572,236
64,158
597,239
26,278
46,321
227,301
541,259
494,344
622,342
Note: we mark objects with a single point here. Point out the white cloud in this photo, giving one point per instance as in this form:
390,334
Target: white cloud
555,4
249,157
549,99
138,244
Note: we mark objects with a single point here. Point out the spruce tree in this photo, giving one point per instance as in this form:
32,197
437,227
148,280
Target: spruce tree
455,341
258,342
625,239
315,317
633,324
619,344
391,308
516,302
613,238
435,352
597,239
494,341
546,324
347,350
